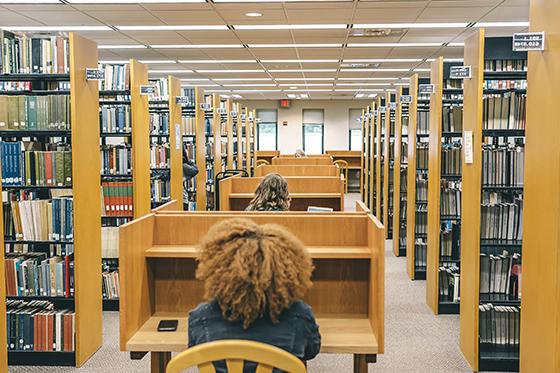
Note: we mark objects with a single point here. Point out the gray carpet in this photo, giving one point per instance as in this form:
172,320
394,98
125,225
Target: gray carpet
416,340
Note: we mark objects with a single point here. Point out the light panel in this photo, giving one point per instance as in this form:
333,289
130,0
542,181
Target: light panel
300,61
393,45
412,25
302,70
195,46
216,61
383,60
173,28
57,28
312,45
291,27
502,24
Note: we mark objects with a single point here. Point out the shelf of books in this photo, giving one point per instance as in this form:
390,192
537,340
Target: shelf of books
444,191
400,172
376,161
49,155
492,200
186,102
202,135
388,162
230,134
381,141
365,160
540,321
238,128
176,189
251,140
373,151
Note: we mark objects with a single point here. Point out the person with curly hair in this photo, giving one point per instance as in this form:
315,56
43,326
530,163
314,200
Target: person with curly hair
271,195
255,277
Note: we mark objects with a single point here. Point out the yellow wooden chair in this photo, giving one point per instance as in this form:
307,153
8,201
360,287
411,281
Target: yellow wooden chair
262,162
235,352
343,166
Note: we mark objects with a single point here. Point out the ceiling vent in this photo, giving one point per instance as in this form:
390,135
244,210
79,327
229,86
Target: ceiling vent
377,32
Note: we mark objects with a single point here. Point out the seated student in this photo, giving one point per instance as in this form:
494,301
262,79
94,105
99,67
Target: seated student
271,195
300,154
254,278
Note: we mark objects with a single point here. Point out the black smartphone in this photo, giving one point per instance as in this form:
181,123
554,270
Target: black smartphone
167,325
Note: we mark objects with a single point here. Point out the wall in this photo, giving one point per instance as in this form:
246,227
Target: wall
336,121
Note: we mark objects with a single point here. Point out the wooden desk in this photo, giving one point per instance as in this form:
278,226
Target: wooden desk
267,155
294,170
305,161
354,166
237,192
157,267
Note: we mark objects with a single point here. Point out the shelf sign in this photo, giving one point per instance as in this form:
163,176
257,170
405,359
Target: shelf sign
234,114
460,72
147,90
95,74
468,146
205,106
177,136
375,112
427,88
393,105
528,41
406,99
382,109
182,100
222,110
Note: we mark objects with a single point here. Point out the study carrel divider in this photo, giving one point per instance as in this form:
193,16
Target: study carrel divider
294,170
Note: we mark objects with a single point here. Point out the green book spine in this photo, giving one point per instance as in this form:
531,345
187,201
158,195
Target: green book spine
68,168
32,112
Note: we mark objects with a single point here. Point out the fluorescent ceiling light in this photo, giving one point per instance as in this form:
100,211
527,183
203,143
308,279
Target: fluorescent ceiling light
158,61
304,95
57,28
229,71
392,45
249,85
455,44
258,90
290,27
333,45
200,85
216,61
303,79
309,85
502,24
379,60
411,25
236,96
372,95
360,90
132,1
300,61
169,71
302,70
173,28
368,78
124,46
452,59
363,84
291,95
253,14
195,46
422,70
359,95
117,62
373,69
224,96
29,2
313,90
403,84
236,79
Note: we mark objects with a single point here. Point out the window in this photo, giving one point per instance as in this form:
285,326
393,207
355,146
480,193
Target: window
356,139
313,131
267,130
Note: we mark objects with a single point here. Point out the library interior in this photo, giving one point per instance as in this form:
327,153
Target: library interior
263,186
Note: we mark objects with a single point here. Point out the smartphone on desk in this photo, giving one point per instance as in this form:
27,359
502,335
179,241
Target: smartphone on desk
167,325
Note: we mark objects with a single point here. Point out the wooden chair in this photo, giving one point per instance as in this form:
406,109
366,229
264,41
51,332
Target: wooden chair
343,166
235,352
262,162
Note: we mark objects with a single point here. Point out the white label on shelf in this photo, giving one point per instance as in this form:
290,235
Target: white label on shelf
182,100
406,99
528,41
426,88
468,146
382,109
177,136
95,74
147,90
460,72
393,105
222,110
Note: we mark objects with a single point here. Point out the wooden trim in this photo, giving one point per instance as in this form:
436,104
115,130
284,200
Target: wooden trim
371,158
411,177
376,307
386,162
229,127
247,152
302,161
175,142
291,170
470,201
239,137
397,173
364,165
172,205
377,122
140,139
200,150
217,132
85,179
254,137
434,177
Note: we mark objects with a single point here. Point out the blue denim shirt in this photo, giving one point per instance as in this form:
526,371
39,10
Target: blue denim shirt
296,332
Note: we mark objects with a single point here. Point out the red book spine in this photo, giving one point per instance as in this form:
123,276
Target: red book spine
48,168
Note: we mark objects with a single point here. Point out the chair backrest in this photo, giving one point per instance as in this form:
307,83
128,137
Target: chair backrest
343,165
235,353
262,162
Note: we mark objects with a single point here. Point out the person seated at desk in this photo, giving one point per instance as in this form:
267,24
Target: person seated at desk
254,279
299,154
271,195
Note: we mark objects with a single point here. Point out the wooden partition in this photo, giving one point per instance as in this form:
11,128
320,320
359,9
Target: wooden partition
305,161
200,148
397,176
172,205
267,155
306,156
291,170
158,264
353,157
175,141
305,191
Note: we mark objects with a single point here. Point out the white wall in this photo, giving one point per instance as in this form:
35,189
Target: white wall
336,121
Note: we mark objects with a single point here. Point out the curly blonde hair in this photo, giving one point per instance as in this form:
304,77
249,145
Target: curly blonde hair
253,269
271,195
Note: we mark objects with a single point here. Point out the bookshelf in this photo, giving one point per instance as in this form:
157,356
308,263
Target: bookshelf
399,182
541,263
483,298
230,134
84,235
365,164
239,136
376,165
246,118
414,258
175,142
200,148
189,135
444,191
381,119
387,178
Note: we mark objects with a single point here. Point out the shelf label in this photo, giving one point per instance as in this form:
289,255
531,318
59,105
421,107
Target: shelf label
177,136
95,74
234,114
182,100
460,72
375,112
393,105
222,110
205,106
427,88
147,90
468,146
406,99
528,41
382,109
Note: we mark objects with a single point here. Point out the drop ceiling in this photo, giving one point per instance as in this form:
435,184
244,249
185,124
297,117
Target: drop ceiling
322,60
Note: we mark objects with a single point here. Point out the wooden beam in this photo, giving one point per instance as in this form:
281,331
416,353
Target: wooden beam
175,142
411,178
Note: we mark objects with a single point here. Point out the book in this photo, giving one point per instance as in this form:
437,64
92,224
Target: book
449,283
116,160
159,155
109,242
115,118
116,78
117,198
499,327
26,53
159,123
35,113
503,165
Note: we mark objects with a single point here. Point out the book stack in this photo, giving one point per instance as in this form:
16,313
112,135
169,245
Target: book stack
35,274
116,160
117,78
450,241
499,327
421,189
35,113
450,200
501,275
33,54
54,249
422,156
188,126
503,165
117,198
160,190
505,84
189,92
449,284
15,86
159,155
159,123
109,242
452,120
451,159
420,252
501,220
504,111
110,284
423,123
37,326
421,219
161,89
505,65
115,119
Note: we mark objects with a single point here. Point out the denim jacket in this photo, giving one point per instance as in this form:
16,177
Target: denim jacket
296,331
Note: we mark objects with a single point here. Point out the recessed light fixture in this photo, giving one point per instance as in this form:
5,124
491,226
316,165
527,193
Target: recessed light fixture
381,60
422,70
236,96
374,69
303,79
300,61
253,14
363,84
308,85
291,87
368,78
359,95
456,44
302,70
173,28
291,27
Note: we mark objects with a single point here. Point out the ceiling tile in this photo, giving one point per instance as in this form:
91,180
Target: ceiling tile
125,17
8,18
453,14
62,18
189,17
264,36
507,13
